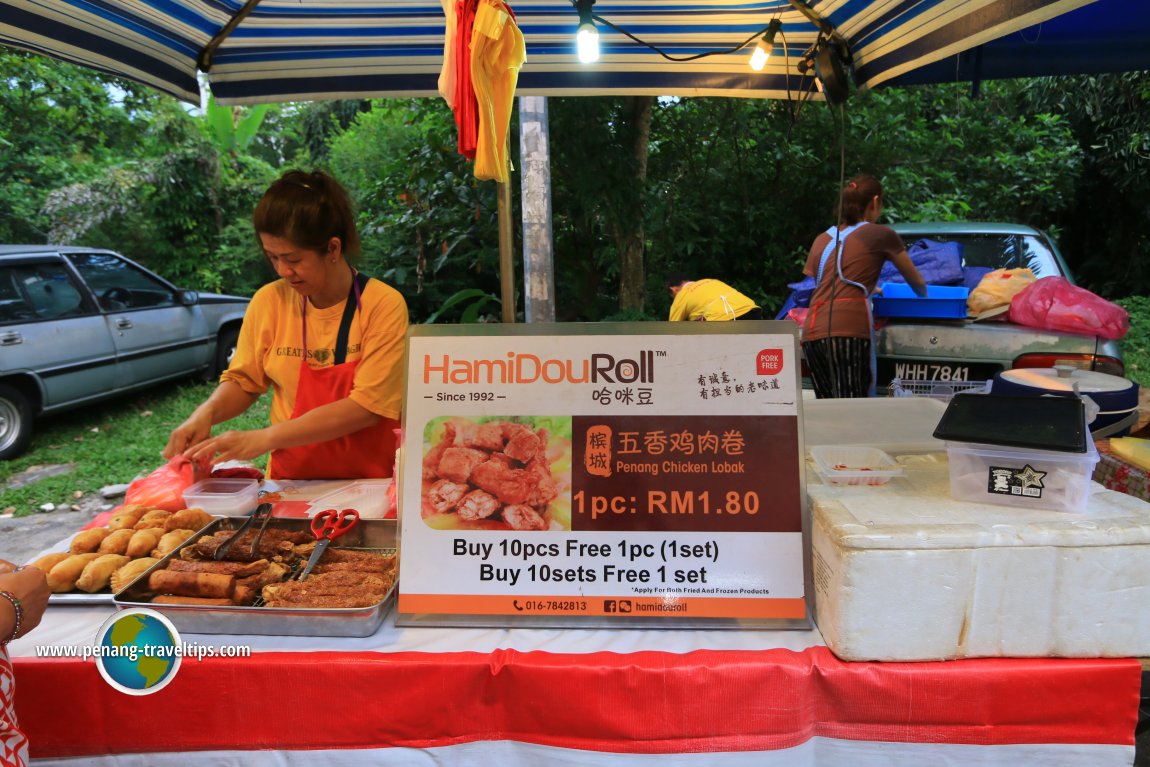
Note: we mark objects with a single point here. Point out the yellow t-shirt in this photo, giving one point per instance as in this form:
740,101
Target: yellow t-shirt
497,54
271,346
710,300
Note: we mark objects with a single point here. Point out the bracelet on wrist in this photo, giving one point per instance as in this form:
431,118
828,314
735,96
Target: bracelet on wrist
19,608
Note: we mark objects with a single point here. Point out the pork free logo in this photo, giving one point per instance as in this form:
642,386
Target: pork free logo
769,362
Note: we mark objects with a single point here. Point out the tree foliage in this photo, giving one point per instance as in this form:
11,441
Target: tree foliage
730,188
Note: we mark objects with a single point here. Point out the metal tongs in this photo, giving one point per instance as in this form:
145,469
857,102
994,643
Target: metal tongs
263,512
327,526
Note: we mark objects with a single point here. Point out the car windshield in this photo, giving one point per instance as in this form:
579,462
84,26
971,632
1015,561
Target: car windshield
1000,251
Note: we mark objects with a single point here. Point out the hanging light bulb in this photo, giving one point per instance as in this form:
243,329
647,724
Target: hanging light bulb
587,41
587,38
763,47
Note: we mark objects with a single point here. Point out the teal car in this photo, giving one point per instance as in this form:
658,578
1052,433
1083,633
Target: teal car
968,350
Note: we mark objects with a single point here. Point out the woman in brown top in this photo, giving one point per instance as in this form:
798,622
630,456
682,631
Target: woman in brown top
846,261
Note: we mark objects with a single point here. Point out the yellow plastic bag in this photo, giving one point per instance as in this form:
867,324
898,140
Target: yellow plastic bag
997,289
1133,450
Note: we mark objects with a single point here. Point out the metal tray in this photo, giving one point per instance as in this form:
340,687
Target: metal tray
81,598
375,534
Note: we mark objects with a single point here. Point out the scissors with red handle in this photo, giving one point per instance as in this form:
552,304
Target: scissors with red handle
327,526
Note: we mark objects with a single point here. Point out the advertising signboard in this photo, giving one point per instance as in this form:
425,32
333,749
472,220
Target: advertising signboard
626,474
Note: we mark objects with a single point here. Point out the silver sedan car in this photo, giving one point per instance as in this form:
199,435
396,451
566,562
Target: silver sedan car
79,325
968,350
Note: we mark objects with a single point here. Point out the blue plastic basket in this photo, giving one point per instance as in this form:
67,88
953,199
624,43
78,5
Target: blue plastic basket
941,302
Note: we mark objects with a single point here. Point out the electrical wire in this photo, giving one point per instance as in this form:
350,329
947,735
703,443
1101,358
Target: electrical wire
668,56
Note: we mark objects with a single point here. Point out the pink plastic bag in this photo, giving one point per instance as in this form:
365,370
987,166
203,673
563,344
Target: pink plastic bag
164,488
1052,303
798,315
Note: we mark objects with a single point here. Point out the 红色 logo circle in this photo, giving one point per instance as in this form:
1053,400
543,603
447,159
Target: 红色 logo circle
138,651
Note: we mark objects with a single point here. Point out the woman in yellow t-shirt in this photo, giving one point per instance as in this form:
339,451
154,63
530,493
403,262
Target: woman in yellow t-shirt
708,300
328,341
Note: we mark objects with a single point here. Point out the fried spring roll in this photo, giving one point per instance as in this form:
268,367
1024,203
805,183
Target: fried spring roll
238,569
210,585
172,599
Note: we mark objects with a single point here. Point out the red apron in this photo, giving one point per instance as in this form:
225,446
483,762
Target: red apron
367,453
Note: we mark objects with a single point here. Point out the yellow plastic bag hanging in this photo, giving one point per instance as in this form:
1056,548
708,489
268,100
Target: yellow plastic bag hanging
996,289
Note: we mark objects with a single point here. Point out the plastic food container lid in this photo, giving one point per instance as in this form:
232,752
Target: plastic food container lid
1032,423
230,494
854,465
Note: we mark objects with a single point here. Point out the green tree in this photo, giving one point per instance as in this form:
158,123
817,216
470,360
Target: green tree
429,227
59,124
1106,228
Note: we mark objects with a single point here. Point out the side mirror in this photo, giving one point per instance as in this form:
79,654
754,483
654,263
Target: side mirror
189,297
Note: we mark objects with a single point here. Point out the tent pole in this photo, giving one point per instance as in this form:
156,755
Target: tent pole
535,200
506,260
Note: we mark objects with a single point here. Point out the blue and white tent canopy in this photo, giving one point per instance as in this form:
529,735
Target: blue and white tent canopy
288,50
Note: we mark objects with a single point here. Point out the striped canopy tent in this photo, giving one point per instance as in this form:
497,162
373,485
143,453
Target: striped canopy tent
295,50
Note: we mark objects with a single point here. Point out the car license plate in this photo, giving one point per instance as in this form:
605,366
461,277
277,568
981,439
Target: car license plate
928,370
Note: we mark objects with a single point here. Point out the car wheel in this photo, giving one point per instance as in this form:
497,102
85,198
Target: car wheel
15,422
226,349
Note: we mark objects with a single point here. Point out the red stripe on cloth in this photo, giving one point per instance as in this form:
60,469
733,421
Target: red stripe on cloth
643,702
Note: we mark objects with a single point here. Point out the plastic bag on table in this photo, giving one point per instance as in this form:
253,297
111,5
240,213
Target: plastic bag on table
164,488
997,289
1052,303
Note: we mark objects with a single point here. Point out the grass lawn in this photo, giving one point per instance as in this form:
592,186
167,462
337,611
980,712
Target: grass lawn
108,444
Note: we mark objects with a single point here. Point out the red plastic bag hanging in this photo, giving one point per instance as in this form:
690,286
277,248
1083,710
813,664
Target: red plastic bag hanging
1052,303
164,488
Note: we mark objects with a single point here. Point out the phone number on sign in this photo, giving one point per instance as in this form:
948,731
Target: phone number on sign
550,604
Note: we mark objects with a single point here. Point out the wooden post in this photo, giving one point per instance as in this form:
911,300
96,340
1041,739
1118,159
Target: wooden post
506,255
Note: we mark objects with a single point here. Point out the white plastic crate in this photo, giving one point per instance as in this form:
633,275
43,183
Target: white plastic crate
939,390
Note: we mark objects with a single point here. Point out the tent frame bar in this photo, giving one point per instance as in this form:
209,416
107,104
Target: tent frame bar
204,60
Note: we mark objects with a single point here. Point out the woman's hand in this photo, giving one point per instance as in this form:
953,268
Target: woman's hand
226,402
30,586
191,432
232,446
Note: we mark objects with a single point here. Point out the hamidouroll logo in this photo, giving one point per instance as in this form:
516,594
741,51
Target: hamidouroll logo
137,651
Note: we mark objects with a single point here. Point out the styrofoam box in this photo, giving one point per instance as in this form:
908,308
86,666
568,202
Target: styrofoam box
903,572
1021,478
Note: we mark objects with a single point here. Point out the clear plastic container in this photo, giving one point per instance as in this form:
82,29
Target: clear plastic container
1028,479
367,496
223,496
854,465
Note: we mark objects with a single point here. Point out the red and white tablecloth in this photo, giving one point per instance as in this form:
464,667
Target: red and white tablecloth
473,696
